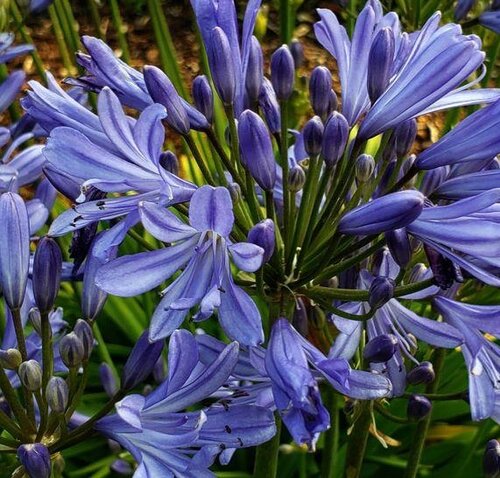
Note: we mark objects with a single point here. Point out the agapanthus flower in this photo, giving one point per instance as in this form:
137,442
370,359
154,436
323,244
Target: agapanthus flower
203,248
481,355
165,439
8,51
491,19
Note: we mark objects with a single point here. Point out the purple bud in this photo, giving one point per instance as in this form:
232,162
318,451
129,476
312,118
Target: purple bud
262,234
418,407
296,179
35,458
385,213
47,265
35,319
203,97
433,178
108,379
84,332
399,246
380,63
169,162
462,8
14,248
257,149
297,51
141,361
335,139
491,459
235,191
270,107
71,350
313,136
380,349
365,165
163,91
320,88
333,101
283,73
404,136
10,359
423,373
222,66
381,291
57,394
30,374
255,71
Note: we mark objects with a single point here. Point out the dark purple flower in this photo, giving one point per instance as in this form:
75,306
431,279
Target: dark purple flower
282,73
35,458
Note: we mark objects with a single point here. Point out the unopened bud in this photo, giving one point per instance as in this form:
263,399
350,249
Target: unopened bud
30,374
380,349
320,87
418,407
203,97
222,66
255,71
35,458
47,265
296,179
57,394
84,332
404,137
270,107
380,63
491,459
313,136
35,319
234,191
365,165
297,51
423,373
262,235
282,73
169,162
72,350
381,291
335,139
399,246
10,359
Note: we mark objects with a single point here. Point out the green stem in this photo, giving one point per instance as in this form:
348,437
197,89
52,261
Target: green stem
285,21
329,461
140,240
61,43
266,457
96,18
120,30
103,349
358,439
199,160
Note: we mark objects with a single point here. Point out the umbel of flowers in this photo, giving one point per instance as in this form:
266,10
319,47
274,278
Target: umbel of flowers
284,224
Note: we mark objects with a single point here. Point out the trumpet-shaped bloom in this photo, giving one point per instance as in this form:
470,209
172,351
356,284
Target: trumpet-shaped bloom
168,441
490,19
203,249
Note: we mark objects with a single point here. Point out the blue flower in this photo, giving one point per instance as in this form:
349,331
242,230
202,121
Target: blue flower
9,52
203,249
490,19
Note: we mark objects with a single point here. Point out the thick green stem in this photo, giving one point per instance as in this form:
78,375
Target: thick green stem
266,457
120,29
358,439
329,461
199,160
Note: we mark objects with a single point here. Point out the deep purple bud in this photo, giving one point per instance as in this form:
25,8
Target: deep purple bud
35,459
320,88
381,291
163,91
257,149
169,162
255,71
203,97
141,361
297,51
365,165
71,349
10,359
380,63
333,101
84,332
404,137
108,379
444,270
423,373
283,73
313,136
30,374
399,246
296,179
262,234
47,265
222,66
14,248
270,107
495,5
491,459
418,407
335,139
392,211
380,349
57,394
462,8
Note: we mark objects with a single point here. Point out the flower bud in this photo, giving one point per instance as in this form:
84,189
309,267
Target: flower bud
297,51
234,191
491,459
270,107
380,63
399,246
404,137
320,87
365,165
222,66
169,162
262,235
84,332
108,379
141,361
57,394
335,139
163,91
282,73
418,407
380,349
47,265
333,101
72,350
122,467
433,178
385,213
30,374
462,8
257,149
313,136
423,373
35,458
14,248
381,291
35,319
10,359
255,71
296,179
203,97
